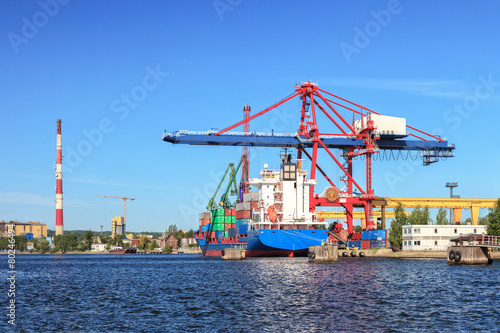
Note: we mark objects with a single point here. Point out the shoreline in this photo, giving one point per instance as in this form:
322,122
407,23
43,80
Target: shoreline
381,253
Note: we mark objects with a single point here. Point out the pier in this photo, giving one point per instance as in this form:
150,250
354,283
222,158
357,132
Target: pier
472,249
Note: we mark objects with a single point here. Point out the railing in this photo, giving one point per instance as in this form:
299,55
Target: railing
265,134
479,240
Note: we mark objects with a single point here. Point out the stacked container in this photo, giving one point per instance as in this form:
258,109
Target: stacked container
372,239
223,220
244,211
205,218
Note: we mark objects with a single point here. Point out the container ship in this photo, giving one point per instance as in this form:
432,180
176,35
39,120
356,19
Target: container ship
274,221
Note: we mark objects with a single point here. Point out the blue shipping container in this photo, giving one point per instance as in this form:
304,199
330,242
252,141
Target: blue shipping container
243,229
381,234
241,222
232,232
374,244
366,235
219,234
352,244
372,234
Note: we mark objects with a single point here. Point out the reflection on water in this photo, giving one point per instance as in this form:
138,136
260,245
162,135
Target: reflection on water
186,293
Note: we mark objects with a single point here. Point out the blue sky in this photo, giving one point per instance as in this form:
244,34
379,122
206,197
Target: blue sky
119,73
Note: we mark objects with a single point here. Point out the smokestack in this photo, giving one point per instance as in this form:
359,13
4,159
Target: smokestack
59,195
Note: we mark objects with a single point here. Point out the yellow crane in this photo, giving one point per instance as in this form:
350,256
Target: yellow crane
124,204
457,204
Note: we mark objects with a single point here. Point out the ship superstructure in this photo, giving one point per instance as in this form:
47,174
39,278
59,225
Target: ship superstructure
274,221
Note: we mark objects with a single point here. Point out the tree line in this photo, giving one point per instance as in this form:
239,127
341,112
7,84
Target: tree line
82,241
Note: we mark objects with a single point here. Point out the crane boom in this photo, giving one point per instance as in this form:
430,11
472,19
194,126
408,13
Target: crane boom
124,204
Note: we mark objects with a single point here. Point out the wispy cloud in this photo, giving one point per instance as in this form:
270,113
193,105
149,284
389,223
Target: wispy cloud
435,88
22,198
102,182
26,199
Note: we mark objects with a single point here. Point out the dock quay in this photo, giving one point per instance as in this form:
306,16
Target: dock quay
233,254
323,253
472,249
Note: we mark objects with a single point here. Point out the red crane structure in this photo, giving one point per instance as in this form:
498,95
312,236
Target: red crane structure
359,137
245,156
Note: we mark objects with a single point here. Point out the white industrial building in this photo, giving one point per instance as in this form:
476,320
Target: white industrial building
435,237
98,247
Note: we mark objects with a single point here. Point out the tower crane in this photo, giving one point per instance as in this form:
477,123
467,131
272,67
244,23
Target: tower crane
124,204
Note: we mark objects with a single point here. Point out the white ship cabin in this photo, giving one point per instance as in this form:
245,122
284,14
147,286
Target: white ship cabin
287,190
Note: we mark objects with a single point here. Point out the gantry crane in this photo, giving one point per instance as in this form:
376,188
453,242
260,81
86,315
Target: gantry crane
231,189
124,204
357,138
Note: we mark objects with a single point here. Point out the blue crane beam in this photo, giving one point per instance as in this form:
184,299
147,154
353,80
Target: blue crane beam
255,139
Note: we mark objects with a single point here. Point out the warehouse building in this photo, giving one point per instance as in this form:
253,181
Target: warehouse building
435,237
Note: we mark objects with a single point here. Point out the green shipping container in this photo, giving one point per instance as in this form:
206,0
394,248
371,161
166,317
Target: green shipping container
227,219
218,212
233,219
218,227
226,233
218,219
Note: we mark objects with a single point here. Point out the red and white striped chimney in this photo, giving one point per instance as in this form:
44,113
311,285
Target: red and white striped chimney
59,195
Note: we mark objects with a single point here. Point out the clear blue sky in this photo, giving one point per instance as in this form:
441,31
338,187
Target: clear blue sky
79,60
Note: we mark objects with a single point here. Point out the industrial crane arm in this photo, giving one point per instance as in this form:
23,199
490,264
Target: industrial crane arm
211,203
232,183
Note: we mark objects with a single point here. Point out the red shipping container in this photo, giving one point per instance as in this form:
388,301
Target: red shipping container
233,212
233,225
228,212
206,221
227,226
254,205
365,244
356,236
243,214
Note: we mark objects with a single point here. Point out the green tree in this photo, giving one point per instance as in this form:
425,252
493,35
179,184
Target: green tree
358,228
143,242
415,216
172,230
467,221
119,240
483,220
493,227
153,245
168,249
441,217
107,240
43,246
396,231
66,242
89,239
21,242
4,243
190,233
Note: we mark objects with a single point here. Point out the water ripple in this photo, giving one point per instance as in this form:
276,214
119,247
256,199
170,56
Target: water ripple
182,293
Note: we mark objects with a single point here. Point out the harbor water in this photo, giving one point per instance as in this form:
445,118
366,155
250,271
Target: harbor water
192,293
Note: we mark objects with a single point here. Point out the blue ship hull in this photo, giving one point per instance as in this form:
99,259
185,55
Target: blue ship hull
270,243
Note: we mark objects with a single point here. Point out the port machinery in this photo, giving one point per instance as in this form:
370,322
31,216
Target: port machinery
362,136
